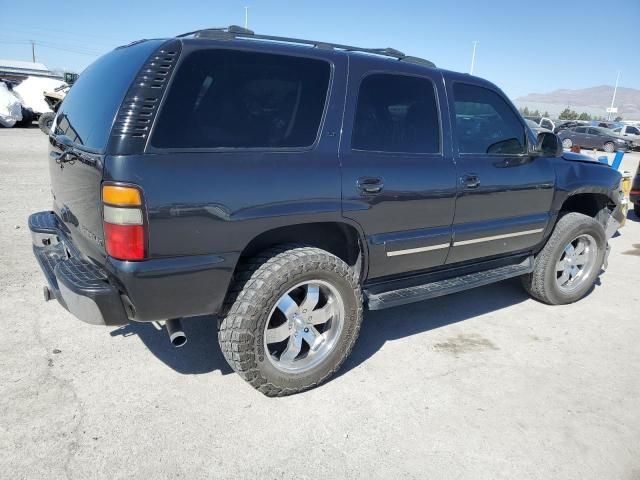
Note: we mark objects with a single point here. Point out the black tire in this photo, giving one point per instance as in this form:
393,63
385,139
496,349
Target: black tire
541,283
46,121
260,282
609,147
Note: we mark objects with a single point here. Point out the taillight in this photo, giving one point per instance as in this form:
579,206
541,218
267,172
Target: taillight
124,230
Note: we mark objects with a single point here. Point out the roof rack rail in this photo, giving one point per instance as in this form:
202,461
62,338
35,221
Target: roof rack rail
234,31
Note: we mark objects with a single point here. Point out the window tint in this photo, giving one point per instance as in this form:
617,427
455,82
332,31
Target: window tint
580,130
87,113
396,113
547,124
485,123
229,98
633,131
593,131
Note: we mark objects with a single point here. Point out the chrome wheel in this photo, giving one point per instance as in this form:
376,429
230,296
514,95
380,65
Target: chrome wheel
567,143
576,263
304,326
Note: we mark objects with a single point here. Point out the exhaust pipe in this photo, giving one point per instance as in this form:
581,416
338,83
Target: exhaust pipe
176,334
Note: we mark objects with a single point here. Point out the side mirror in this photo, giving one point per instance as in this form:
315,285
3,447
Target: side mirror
548,145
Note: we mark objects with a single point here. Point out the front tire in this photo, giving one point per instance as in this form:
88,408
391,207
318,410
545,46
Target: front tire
567,143
609,147
568,265
294,320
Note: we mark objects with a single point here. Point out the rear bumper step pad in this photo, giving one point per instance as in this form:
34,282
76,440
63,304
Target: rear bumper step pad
79,285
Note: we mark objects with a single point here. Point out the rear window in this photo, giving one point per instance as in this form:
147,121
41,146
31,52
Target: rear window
88,111
234,99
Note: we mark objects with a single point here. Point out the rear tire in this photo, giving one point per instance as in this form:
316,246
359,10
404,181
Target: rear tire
287,292
609,147
568,265
567,143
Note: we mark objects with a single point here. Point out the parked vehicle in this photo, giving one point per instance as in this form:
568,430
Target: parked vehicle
566,124
594,137
629,132
54,99
543,122
286,184
537,129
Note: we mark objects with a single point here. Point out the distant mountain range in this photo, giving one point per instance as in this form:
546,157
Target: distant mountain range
594,100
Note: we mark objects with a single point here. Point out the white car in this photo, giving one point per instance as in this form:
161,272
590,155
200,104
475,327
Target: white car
630,132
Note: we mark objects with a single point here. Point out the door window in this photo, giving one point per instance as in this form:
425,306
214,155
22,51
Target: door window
580,130
593,131
396,113
633,131
485,123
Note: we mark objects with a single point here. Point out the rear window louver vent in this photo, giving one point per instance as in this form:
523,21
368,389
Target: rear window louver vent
133,122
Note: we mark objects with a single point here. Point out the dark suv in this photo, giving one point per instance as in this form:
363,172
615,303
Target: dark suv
285,184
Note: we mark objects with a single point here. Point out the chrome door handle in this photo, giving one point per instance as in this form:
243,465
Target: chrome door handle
470,181
370,185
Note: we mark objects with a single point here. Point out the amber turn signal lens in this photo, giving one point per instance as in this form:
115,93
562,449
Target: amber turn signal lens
117,195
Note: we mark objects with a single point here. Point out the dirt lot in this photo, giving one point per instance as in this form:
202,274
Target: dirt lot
482,384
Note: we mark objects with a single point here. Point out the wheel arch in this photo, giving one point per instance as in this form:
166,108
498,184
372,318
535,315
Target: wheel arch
342,239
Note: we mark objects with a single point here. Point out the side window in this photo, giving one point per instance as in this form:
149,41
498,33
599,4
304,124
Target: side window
396,113
593,131
581,130
547,124
485,123
633,131
234,99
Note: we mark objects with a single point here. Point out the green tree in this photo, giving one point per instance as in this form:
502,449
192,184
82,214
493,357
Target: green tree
568,114
535,113
584,116
618,119
525,111
546,114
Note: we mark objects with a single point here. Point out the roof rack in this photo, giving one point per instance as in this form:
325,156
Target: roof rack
234,31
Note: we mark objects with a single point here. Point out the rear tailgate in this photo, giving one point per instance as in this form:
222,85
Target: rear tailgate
85,120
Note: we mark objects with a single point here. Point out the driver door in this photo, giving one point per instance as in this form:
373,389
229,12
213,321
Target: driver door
503,195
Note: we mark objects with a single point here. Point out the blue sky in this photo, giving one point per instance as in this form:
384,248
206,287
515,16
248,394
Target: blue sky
525,47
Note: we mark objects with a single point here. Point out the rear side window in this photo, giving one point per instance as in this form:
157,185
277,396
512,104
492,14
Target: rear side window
485,123
235,99
396,113
580,130
88,111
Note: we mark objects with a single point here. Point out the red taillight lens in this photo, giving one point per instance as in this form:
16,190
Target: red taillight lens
124,242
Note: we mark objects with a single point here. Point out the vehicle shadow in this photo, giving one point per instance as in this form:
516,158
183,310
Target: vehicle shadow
383,326
200,355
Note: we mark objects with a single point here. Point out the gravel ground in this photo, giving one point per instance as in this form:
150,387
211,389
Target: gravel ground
482,384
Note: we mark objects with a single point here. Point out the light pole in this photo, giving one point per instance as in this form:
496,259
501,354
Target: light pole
246,17
473,56
613,99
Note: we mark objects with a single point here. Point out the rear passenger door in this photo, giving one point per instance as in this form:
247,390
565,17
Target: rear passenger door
398,177
504,194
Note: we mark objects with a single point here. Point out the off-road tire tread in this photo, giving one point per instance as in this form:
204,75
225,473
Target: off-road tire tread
535,283
257,282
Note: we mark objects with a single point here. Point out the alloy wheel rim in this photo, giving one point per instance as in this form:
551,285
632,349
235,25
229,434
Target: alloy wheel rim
576,262
567,143
304,326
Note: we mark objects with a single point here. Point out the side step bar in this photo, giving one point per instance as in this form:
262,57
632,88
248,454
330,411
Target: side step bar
393,298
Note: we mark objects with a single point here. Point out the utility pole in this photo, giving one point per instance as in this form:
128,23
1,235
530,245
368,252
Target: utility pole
613,99
473,56
33,51
246,17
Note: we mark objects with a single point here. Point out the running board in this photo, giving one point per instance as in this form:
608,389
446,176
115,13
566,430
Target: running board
393,298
